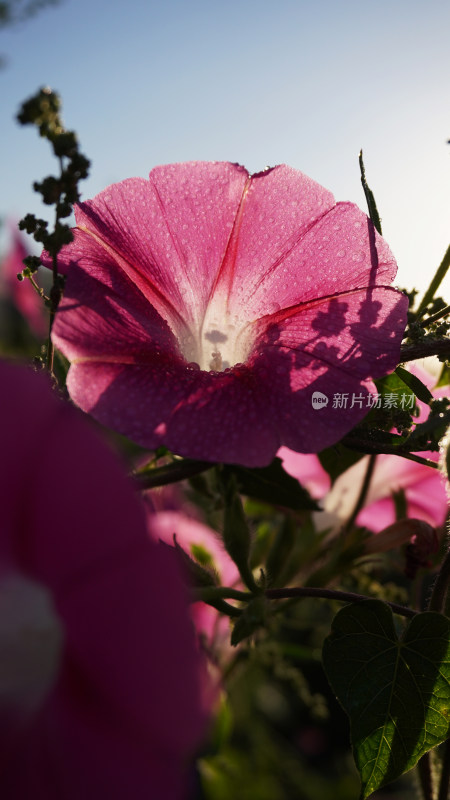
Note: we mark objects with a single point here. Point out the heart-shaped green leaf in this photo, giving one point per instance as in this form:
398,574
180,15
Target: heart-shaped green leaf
396,692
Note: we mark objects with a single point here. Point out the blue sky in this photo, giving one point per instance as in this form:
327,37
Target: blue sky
261,83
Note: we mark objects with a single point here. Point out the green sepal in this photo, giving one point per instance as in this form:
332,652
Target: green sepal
252,618
197,574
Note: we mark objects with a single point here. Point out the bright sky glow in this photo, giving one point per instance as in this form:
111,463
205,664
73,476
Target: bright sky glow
307,84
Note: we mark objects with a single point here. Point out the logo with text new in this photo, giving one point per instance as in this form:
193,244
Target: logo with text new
319,400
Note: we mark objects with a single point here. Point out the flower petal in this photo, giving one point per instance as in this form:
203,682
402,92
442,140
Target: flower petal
103,314
230,268
172,230
125,712
308,471
209,416
332,347
294,245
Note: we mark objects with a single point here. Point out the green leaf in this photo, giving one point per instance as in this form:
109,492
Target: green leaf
273,485
236,532
396,692
444,377
420,390
370,199
393,384
337,459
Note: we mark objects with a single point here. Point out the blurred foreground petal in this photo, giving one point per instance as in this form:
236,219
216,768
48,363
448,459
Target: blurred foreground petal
123,714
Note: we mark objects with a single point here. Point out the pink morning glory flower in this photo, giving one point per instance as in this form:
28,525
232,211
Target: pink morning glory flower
21,293
425,490
207,309
100,691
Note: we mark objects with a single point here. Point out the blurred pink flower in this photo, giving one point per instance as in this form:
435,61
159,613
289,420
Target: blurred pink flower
424,487
199,540
21,293
104,698
204,307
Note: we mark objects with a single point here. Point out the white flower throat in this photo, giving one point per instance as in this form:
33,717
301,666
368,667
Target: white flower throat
222,341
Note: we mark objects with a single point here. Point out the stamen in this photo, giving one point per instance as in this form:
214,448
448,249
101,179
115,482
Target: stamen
216,363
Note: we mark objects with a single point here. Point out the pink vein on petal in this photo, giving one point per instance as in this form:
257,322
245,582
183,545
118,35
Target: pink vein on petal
144,284
227,267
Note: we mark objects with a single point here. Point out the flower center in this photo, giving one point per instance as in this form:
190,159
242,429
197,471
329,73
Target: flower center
222,341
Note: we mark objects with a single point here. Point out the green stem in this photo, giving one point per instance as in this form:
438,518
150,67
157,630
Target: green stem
441,586
429,347
439,314
37,288
169,473
331,594
50,348
436,281
362,495
54,292
444,787
426,777
368,447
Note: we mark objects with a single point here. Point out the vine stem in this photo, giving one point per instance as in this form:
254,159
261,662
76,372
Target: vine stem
332,594
431,347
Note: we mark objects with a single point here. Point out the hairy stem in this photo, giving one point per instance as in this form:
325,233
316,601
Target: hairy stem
429,347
